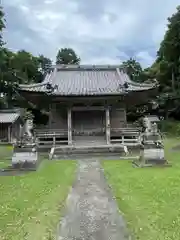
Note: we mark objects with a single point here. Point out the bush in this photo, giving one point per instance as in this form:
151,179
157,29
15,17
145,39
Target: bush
170,127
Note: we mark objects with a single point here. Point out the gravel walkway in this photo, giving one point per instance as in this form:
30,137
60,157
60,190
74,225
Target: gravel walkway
92,213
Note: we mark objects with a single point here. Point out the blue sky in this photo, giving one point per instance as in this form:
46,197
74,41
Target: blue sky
100,31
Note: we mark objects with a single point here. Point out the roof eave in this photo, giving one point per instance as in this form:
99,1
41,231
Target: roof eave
93,94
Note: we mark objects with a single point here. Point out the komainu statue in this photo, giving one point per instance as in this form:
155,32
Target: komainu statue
25,154
152,147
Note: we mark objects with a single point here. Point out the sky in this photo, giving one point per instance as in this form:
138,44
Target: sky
100,31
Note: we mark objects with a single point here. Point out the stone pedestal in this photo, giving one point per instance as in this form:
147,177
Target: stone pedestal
152,151
25,157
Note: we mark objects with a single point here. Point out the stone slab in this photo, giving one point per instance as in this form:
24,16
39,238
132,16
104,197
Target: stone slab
138,164
153,153
22,157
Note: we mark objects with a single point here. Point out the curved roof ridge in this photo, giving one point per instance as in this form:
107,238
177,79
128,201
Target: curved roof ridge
33,85
86,66
41,84
136,84
143,84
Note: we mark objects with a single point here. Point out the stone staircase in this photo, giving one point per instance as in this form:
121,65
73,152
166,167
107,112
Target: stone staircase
80,151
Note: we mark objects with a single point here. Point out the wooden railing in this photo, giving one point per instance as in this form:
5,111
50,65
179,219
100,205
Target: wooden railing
125,141
126,136
50,132
127,129
88,131
51,136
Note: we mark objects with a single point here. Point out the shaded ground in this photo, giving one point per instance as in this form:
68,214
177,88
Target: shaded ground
5,156
92,213
30,204
176,148
149,198
7,173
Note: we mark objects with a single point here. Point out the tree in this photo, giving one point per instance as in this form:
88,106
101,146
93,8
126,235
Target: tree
2,24
134,69
25,65
45,64
67,56
166,68
169,52
19,68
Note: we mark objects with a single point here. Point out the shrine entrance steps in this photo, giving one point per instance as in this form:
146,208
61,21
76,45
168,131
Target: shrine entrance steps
91,211
92,149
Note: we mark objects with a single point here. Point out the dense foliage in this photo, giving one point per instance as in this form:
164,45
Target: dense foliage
133,69
2,24
67,56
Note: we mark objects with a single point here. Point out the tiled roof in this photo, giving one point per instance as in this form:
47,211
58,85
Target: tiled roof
7,117
87,80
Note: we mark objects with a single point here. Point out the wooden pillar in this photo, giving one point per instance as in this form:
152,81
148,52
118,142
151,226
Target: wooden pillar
54,139
9,134
50,115
69,119
125,116
108,129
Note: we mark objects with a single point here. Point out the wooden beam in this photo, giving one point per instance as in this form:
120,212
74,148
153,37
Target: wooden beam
50,115
9,134
88,108
107,125
90,99
69,118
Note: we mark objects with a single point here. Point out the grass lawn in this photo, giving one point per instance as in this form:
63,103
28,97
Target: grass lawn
30,205
5,156
149,198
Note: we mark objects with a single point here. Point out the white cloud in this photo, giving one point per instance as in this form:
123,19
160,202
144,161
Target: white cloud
158,32
145,57
100,31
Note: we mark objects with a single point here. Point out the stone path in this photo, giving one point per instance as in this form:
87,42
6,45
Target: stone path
92,213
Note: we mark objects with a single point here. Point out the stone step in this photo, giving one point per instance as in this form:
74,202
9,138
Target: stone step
84,152
84,155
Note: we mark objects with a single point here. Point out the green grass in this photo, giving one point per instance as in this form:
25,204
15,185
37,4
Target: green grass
5,156
148,198
31,205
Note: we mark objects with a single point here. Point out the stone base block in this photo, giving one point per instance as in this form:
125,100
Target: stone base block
25,160
144,165
151,157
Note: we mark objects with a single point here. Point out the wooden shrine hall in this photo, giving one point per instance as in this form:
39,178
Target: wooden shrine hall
87,105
